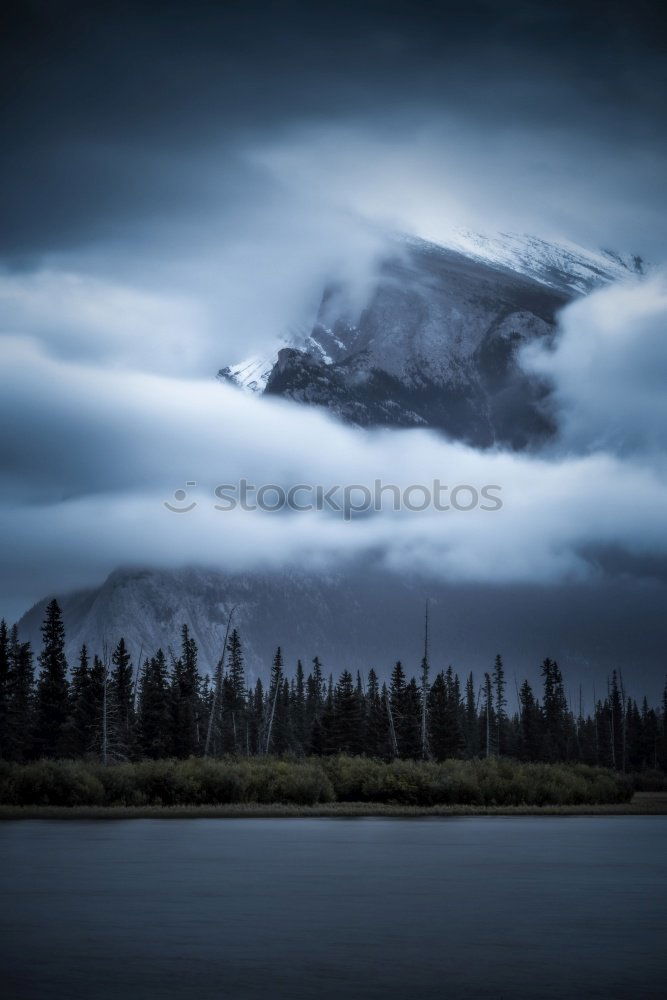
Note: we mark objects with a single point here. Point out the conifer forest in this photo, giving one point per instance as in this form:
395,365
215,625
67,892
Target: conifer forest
107,709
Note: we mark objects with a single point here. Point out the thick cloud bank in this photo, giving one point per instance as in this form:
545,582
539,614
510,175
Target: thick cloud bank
93,448
609,367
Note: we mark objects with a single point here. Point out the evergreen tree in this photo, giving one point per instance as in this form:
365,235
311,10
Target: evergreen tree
282,730
83,718
487,719
20,700
273,738
4,688
603,730
446,734
376,729
650,736
154,716
256,718
185,700
234,695
438,716
346,717
616,723
455,714
500,703
662,751
326,726
554,707
635,759
122,693
52,707
530,717
410,722
397,703
298,710
471,723
315,694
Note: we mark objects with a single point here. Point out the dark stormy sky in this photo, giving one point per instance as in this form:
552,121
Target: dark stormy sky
178,181
125,119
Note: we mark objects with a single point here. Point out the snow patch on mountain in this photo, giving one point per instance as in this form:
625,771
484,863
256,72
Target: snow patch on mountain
563,265
252,373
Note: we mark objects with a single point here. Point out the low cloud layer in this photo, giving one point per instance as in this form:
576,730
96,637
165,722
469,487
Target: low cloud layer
95,449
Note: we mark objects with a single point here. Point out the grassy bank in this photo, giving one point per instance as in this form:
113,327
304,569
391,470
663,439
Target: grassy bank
325,786
641,804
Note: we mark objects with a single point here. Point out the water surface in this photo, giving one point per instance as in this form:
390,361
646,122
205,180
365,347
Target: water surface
475,907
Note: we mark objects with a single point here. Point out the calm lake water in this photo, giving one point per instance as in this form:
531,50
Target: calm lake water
480,907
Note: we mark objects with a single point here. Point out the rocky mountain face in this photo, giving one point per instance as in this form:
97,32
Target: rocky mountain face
365,616
337,617
437,342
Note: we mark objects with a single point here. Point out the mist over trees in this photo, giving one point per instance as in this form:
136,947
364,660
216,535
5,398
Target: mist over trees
104,707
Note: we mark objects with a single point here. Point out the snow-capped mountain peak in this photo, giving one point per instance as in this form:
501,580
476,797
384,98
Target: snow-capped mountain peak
438,340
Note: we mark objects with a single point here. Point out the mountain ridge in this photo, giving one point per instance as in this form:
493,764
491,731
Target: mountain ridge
438,341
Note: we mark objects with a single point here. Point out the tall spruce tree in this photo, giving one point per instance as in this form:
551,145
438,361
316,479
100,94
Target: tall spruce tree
52,708
616,723
500,703
326,726
397,704
376,739
4,688
256,718
185,697
530,716
122,691
437,716
273,740
554,707
234,695
315,694
471,721
487,719
346,734
299,710
411,720
154,711
20,700
82,719
661,755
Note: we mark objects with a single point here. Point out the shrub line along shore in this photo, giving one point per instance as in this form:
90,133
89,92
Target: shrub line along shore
323,786
642,804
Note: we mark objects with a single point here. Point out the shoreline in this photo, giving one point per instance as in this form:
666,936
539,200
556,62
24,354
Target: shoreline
642,804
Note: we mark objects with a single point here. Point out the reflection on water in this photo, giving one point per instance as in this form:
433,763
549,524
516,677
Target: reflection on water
480,907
